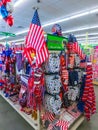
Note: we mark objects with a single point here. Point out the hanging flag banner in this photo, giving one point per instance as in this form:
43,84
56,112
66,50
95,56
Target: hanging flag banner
55,42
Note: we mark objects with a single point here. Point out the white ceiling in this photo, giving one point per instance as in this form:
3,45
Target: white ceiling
52,10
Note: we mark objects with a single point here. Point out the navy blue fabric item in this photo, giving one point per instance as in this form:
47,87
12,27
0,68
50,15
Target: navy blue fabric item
73,76
72,38
81,104
7,52
28,68
19,62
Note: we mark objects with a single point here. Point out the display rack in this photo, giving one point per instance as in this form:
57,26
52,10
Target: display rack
36,124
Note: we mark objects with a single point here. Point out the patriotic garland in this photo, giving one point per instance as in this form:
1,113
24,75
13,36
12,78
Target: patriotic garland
88,94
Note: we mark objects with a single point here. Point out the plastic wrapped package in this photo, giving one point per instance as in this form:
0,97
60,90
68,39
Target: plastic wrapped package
53,84
53,103
53,64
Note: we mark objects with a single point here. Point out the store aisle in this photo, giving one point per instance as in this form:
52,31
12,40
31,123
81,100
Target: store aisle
10,120
93,123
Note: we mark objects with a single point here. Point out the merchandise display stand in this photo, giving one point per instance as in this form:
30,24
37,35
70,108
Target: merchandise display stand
36,124
60,95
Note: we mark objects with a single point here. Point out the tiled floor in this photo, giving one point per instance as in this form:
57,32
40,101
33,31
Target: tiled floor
10,120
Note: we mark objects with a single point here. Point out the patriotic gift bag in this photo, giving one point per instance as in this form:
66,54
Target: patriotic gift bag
53,103
53,84
53,64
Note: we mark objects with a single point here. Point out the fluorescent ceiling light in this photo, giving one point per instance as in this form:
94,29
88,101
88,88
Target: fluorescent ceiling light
84,35
2,38
88,38
90,11
18,40
21,32
80,29
19,2
90,42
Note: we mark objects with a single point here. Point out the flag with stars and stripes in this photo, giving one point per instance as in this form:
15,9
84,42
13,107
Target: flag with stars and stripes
36,40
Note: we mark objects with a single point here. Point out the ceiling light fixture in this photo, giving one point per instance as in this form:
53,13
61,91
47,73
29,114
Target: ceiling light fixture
18,40
84,35
19,2
90,42
21,32
81,29
90,38
90,11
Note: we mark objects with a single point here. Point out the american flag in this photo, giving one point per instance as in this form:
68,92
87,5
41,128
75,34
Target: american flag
62,124
36,40
78,50
48,116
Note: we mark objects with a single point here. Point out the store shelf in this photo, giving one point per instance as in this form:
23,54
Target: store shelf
33,123
77,123
36,124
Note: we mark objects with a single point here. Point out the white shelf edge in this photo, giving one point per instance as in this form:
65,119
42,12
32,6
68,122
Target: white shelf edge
27,118
77,123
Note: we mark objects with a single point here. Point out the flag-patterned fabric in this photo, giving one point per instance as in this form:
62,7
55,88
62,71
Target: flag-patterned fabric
48,116
64,73
36,40
89,94
78,50
75,48
63,125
